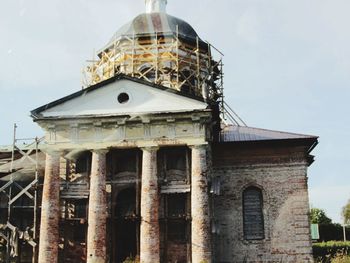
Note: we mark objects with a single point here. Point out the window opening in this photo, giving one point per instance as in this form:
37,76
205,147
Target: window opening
253,218
123,98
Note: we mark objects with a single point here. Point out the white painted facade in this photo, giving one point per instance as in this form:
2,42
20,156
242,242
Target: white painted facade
143,99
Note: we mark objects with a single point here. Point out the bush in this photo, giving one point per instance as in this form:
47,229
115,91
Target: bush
341,259
332,232
331,251
131,260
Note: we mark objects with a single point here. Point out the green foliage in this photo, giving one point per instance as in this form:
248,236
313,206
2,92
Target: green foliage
318,216
331,251
131,260
346,213
333,232
341,259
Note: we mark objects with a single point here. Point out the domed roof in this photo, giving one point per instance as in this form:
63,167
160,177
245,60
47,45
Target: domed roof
149,23
161,23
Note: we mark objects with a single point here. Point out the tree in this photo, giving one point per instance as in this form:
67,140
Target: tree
346,213
318,216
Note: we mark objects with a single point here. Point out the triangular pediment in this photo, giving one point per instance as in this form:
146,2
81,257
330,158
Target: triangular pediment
119,97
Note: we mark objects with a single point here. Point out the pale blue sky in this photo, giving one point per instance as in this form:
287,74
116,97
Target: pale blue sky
287,66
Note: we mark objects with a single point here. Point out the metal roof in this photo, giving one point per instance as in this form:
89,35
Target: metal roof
234,133
152,23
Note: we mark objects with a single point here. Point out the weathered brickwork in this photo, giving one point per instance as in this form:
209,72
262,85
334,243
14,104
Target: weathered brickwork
50,210
149,245
201,241
285,209
96,245
177,252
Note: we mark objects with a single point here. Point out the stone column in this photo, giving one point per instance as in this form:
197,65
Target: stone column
97,217
201,234
149,239
50,210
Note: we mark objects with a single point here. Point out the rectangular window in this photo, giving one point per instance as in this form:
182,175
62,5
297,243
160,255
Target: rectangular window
253,218
176,159
177,205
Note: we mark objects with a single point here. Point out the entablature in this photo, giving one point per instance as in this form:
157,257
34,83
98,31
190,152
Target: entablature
128,131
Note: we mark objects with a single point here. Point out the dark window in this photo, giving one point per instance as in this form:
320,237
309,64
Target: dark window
126,203
176,160
80,208
76,208
83,163
177,231
176,205
176,215
253,218
126,162
79,232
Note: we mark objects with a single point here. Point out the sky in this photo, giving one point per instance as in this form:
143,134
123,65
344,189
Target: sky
287,67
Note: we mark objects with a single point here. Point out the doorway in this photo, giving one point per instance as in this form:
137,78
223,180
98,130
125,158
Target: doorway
126,221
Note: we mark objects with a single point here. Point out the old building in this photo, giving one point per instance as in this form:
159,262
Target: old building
141,164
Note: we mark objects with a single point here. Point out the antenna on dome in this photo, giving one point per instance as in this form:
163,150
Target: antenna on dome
156,6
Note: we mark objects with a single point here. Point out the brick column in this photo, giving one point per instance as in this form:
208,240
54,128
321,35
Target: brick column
50,210
201,234
149,232
97,218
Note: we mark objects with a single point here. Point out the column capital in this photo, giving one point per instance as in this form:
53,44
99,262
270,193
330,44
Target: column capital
150,148
100,151
198,146
53,152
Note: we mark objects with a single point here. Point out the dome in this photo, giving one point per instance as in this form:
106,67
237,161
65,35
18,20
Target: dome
157,23
160,23
160,49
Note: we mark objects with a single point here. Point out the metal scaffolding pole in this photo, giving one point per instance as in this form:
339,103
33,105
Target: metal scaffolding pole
15,189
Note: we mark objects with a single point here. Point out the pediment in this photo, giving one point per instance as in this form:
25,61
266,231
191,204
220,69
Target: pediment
119,97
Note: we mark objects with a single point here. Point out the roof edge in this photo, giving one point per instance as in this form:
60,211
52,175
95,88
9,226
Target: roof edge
35,114
311,142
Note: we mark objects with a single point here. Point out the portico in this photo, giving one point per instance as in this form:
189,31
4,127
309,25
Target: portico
151,185
146,173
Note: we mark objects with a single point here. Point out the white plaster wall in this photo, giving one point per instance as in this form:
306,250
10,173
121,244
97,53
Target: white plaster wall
143,99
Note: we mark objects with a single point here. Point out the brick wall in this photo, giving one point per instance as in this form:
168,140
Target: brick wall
285,207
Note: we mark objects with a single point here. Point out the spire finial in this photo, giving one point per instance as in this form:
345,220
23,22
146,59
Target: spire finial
156,6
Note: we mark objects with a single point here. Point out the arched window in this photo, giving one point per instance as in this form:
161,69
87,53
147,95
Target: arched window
253,217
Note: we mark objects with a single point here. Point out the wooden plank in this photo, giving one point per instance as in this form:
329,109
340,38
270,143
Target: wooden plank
172,189
24,191
21,188
3,236
5,186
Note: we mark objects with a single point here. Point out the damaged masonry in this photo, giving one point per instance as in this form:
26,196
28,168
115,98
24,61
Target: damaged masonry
141,164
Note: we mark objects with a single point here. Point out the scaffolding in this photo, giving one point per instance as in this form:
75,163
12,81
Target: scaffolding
170,60
20,188
165,59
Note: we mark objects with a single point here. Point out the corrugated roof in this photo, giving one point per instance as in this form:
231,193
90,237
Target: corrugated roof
243,134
